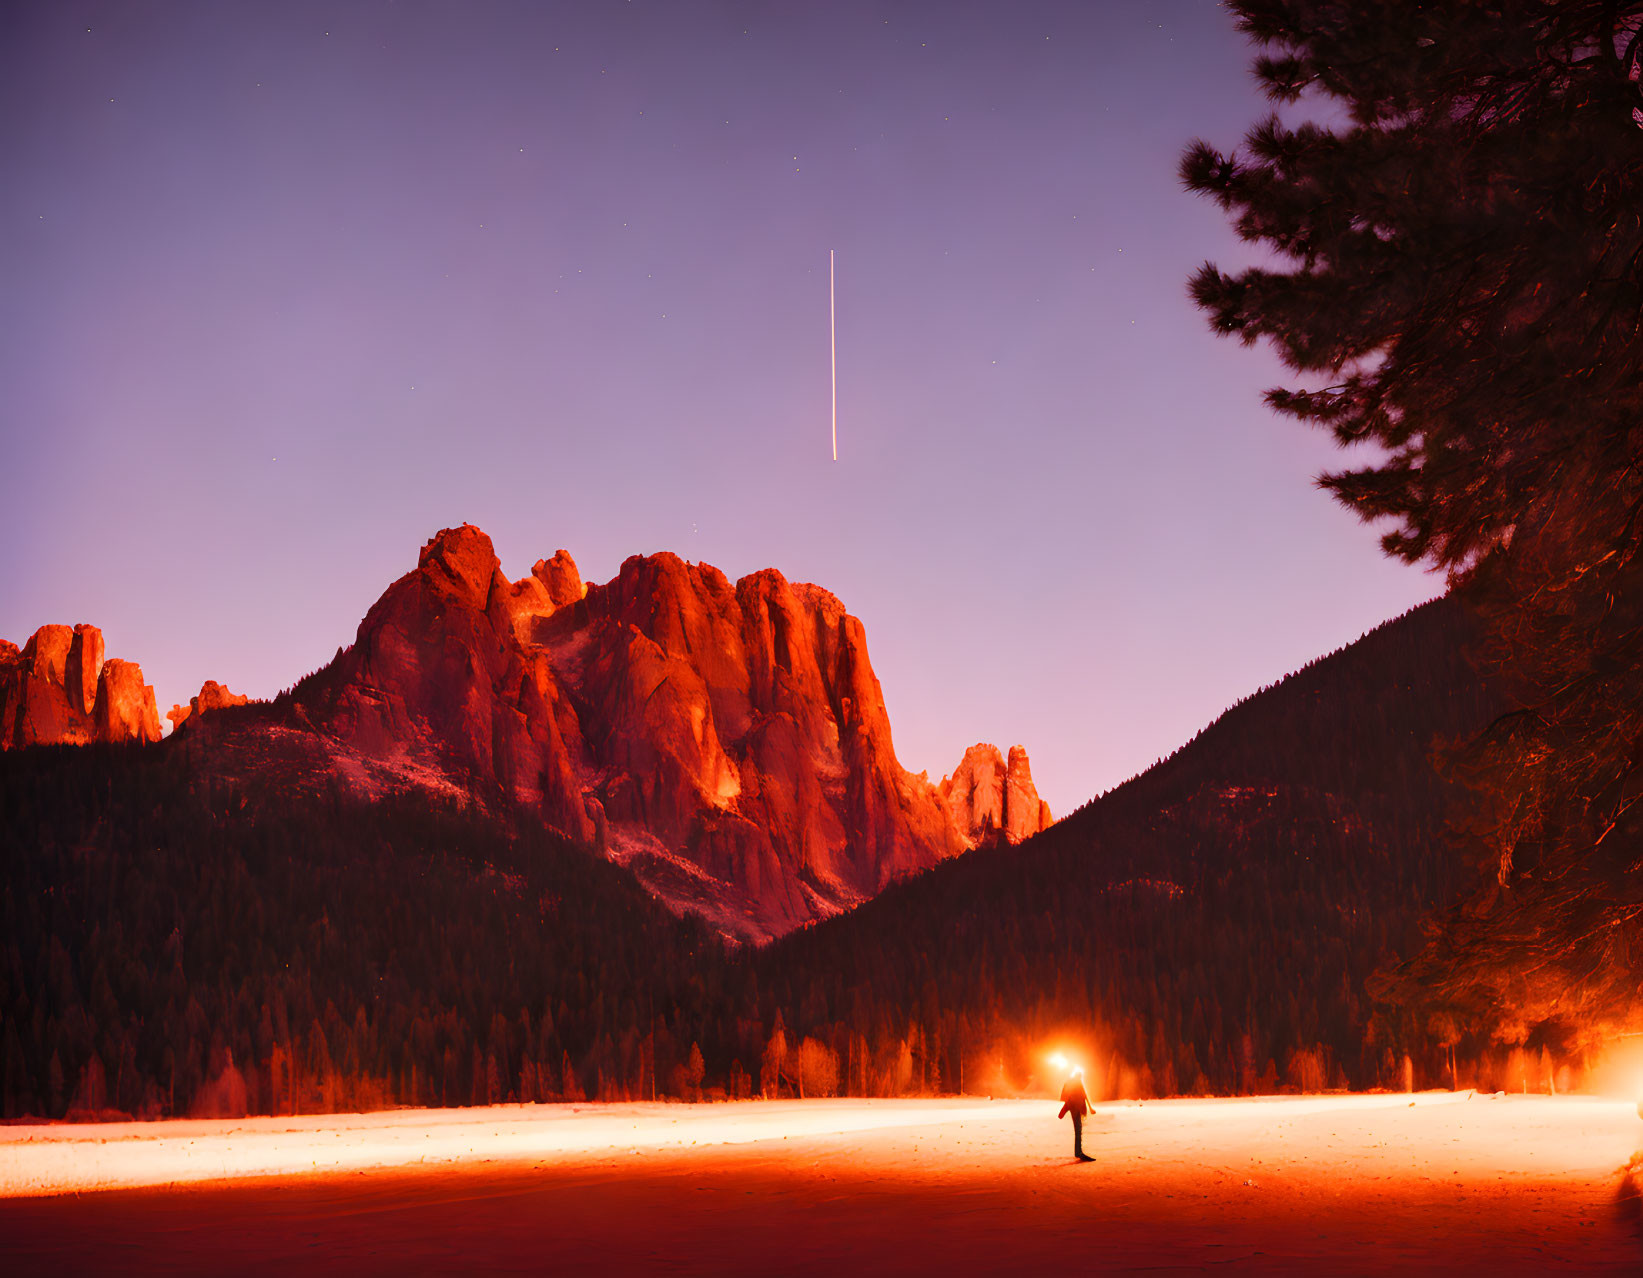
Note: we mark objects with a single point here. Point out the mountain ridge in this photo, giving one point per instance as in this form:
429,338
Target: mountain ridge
727,742
255,936
1209,924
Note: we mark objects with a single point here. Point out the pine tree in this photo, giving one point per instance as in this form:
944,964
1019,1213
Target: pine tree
775,1057
1458,280
695,1069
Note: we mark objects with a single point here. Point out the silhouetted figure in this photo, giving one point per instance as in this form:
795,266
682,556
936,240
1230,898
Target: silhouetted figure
1075,1101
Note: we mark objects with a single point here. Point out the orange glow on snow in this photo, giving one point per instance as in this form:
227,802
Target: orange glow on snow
68,1158
72,1157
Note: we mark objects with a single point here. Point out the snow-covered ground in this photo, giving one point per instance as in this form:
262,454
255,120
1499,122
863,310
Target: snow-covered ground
74,1158
1431,1183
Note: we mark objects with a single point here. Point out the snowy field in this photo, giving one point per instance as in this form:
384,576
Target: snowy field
1431,1183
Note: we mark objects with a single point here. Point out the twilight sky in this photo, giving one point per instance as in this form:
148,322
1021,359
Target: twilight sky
285,288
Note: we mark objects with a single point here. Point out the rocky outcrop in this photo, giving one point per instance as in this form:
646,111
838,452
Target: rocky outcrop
974,794
213,696
560,578
52,692
1025,814
440,672
37,707
125,709
83,668
727,741
990,800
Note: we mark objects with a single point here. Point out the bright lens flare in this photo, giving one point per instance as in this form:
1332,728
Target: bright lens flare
1058,1060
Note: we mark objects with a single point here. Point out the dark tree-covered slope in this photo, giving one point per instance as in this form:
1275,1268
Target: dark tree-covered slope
1449,260
188,939
170,944
1209,925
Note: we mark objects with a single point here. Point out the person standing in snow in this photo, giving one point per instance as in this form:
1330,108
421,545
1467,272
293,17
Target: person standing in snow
1075,1101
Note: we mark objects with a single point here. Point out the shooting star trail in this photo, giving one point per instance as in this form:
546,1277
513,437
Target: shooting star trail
833,348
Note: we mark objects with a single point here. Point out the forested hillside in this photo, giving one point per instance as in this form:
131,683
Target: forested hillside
180,942
172,946
1209,925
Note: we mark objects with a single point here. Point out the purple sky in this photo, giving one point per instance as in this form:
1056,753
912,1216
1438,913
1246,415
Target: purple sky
285,288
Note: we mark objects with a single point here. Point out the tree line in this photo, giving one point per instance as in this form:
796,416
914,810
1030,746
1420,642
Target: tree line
179,944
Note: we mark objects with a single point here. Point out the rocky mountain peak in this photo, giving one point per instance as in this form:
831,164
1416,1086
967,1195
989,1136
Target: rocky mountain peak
728,742
52,692
461,562
213,696
83,667
125,709
989,799
560,578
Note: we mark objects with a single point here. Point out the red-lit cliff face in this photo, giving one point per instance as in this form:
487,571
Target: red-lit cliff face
728,742
58,690
990,800
213,696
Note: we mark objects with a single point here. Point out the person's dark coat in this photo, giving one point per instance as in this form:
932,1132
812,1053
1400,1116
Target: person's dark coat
1074,1099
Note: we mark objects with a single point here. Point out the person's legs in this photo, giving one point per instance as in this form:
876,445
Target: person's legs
1078,1134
